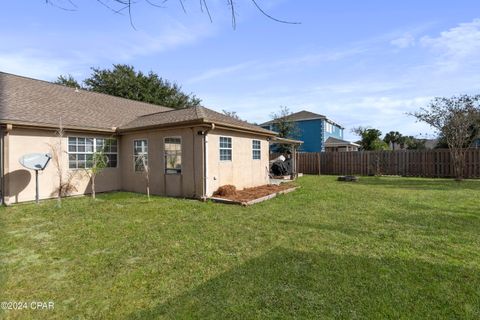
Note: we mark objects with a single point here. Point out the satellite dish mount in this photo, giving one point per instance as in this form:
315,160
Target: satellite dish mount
37,162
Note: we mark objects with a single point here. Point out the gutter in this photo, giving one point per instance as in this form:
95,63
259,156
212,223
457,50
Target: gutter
47,126
199,122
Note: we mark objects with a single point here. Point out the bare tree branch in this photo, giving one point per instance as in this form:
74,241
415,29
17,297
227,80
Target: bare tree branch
155,5
58,6
270,17
128,6
110,8
130,14
203,3
183,6
232,10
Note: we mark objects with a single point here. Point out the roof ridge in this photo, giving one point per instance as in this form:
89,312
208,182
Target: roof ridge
167,111
200,112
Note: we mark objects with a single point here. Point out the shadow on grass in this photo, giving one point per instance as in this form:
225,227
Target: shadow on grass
420,183
285,283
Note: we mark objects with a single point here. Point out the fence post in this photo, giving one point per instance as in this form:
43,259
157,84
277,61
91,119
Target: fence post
319,164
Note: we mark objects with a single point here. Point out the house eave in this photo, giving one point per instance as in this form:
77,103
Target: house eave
286,141
50,126
198,122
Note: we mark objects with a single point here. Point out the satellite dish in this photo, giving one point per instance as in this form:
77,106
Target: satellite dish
35,161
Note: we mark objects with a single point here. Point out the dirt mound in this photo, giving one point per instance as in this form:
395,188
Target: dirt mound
226,191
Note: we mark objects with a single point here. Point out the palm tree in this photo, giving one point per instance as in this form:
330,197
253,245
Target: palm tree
393,137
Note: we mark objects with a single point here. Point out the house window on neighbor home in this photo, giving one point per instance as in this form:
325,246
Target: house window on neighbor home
256,149
140,154
81,150
225,148
328,127
173,155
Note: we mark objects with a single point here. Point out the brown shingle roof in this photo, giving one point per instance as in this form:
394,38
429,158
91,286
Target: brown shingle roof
36,102
194,114
39,102
336,141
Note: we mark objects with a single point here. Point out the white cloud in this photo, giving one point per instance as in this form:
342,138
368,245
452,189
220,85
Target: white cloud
456,46
171,37
405,41
218,72
264,69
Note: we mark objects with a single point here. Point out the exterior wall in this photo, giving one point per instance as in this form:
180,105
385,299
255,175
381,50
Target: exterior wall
3,140
310,132
20,182
188,183
242,171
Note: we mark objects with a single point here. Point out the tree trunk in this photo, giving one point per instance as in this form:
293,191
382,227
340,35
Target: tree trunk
60,190
93,187
148,182
458,156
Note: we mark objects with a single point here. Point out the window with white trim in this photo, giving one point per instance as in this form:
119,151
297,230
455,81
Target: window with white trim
140,154
225,148
81,150
173,155
328,127
256,149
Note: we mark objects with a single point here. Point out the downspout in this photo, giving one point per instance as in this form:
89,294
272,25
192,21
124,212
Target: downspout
204,134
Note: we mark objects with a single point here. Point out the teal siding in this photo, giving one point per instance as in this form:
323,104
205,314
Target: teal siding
313,134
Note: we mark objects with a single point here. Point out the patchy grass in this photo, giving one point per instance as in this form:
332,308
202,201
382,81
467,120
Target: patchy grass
379,248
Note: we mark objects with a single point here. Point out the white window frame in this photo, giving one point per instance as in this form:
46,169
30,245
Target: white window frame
255,150
135,156
165,154
90,152
329,127
220,148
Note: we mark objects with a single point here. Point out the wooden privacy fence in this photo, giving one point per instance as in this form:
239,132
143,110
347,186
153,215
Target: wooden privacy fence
413,163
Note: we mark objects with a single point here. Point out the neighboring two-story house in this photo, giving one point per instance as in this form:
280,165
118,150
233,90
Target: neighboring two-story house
317,132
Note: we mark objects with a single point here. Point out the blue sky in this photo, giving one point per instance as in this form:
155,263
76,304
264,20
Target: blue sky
358,62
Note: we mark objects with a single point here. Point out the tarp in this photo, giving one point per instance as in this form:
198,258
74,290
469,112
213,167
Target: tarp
282,168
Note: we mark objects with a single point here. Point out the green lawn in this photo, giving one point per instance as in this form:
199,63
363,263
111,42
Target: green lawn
379,248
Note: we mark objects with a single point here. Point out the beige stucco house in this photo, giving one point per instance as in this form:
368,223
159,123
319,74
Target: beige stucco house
189,152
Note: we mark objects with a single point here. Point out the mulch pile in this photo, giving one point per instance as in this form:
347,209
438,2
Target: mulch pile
249,194
226,191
